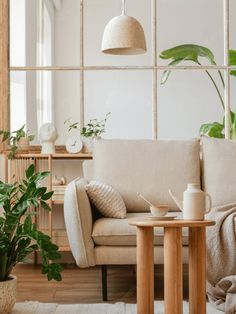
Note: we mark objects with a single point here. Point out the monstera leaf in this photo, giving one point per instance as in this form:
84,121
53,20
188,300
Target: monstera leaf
188,52
192,52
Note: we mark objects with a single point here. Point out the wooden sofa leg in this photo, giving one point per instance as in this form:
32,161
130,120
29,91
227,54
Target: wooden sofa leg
104,282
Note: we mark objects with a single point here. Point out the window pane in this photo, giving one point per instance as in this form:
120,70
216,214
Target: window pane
187,100
97,14
127,95
44,96
191,22
44,32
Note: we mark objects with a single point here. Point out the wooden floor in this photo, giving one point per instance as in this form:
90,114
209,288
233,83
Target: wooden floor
84,285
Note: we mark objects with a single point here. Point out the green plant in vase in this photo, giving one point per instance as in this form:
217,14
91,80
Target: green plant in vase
93,130
19,235
17,140
194,53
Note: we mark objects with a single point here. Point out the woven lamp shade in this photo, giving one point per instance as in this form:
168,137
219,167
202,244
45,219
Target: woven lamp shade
124,35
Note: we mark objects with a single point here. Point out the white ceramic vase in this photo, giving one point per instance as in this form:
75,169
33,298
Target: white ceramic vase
8,294
88,143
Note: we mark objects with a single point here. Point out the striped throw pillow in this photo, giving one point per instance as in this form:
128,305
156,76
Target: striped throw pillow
106,200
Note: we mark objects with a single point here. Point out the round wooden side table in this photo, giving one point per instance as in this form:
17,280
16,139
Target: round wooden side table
173,273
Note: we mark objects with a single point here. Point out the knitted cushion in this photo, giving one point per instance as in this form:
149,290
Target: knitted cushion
106,200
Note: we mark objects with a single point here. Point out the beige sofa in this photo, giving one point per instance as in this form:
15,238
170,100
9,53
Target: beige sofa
129,166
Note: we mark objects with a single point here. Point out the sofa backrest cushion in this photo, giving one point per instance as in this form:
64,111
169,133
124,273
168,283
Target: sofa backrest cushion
219,170
147,166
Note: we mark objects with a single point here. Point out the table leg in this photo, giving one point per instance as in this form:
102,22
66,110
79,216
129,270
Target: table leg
145,270
197,270
173,271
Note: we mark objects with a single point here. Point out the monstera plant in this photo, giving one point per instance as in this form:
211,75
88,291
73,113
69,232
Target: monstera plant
196,53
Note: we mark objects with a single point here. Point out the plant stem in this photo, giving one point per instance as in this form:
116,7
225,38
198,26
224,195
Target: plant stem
222,79
3,267
221,76
217,89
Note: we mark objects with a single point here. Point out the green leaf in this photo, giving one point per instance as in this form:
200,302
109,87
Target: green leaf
47,245
188,52
30,171
34,202
31,137
40,191
28,224
214,129
232,60
47,196
232,57
39,176
233,130
231,116
6,136
53,255
166,73
45,205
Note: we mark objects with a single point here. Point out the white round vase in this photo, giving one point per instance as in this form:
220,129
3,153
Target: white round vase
8,294
88,143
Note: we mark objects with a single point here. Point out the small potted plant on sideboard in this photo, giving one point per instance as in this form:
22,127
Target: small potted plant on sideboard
18,140
19,235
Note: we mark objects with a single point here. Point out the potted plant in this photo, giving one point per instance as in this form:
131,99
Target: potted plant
91,131
18,140
19,235
194,53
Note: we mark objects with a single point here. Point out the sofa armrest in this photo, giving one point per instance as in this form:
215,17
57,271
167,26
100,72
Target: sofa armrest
79,223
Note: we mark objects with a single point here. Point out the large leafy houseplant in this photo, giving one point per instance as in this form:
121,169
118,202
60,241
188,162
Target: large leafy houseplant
19,235
195,53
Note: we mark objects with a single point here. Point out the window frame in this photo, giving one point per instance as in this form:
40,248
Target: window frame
5,67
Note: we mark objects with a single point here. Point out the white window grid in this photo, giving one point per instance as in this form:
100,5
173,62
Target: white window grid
155,67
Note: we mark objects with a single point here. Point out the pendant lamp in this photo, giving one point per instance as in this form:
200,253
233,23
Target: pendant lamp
124,35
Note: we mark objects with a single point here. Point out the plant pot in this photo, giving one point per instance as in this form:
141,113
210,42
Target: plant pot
8,294
88,143
23,143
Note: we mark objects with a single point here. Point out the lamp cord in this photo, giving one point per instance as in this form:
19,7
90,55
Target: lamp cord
123,7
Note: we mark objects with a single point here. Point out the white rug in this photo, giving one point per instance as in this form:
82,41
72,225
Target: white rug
102,308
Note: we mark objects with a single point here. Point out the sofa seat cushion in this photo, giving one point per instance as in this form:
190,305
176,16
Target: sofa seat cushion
118,232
